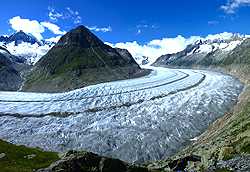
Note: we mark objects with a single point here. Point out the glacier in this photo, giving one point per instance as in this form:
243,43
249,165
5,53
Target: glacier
135,120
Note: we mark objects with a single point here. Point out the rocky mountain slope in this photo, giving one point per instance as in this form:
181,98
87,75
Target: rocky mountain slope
77,60
227,143
10,68
17,53
201,54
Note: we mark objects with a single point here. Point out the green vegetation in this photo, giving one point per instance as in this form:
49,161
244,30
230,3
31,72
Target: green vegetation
71,57
241,55
21,158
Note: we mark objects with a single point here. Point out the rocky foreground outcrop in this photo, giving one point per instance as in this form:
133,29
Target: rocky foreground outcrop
75,161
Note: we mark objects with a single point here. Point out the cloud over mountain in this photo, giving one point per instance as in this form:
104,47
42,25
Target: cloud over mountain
158,47
28,26
34,27
54,28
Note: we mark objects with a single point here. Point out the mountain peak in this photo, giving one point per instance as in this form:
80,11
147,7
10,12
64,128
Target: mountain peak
237,37
20,32
79,59
80,36
19,37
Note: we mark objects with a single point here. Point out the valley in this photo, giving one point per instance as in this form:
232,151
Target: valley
135,120
82,94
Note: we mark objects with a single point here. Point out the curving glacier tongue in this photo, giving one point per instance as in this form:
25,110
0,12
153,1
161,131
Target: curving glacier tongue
135,120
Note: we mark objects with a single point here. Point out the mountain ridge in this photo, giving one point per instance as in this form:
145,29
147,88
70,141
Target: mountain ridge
18,37
77,60
202,53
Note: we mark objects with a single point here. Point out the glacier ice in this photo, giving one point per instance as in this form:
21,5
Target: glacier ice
135,120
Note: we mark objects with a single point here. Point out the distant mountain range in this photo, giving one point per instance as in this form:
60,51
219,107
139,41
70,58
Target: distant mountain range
201,54
80,59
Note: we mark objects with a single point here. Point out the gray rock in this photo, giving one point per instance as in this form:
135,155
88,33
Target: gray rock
31,156
181,164
2,155
241,162
74,161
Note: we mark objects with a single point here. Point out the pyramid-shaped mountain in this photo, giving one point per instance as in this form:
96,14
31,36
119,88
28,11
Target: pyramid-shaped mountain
77,60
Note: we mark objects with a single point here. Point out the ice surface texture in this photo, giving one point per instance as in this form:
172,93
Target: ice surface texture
135,120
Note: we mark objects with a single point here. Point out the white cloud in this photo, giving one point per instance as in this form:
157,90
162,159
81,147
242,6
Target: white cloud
212,22
28,26
233,5
155,25
142,26
37,35
71,11
224,35
78,19
95,28
54,39
157,47
34,27
54,28
138,32
53,16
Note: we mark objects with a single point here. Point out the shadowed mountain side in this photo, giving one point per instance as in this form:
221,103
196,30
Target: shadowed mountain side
77,60
10,68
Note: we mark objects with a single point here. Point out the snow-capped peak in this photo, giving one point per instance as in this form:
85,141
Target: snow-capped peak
26,46
210,45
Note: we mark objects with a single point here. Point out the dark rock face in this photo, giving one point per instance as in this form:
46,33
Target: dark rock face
10,67
74,161
180,164
77,60
145,60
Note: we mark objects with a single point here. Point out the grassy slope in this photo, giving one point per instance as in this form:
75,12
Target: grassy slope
75,67
16,158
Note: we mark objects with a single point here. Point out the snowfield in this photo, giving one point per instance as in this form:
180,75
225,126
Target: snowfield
135,120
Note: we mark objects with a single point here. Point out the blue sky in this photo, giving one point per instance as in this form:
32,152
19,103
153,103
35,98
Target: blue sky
128,22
